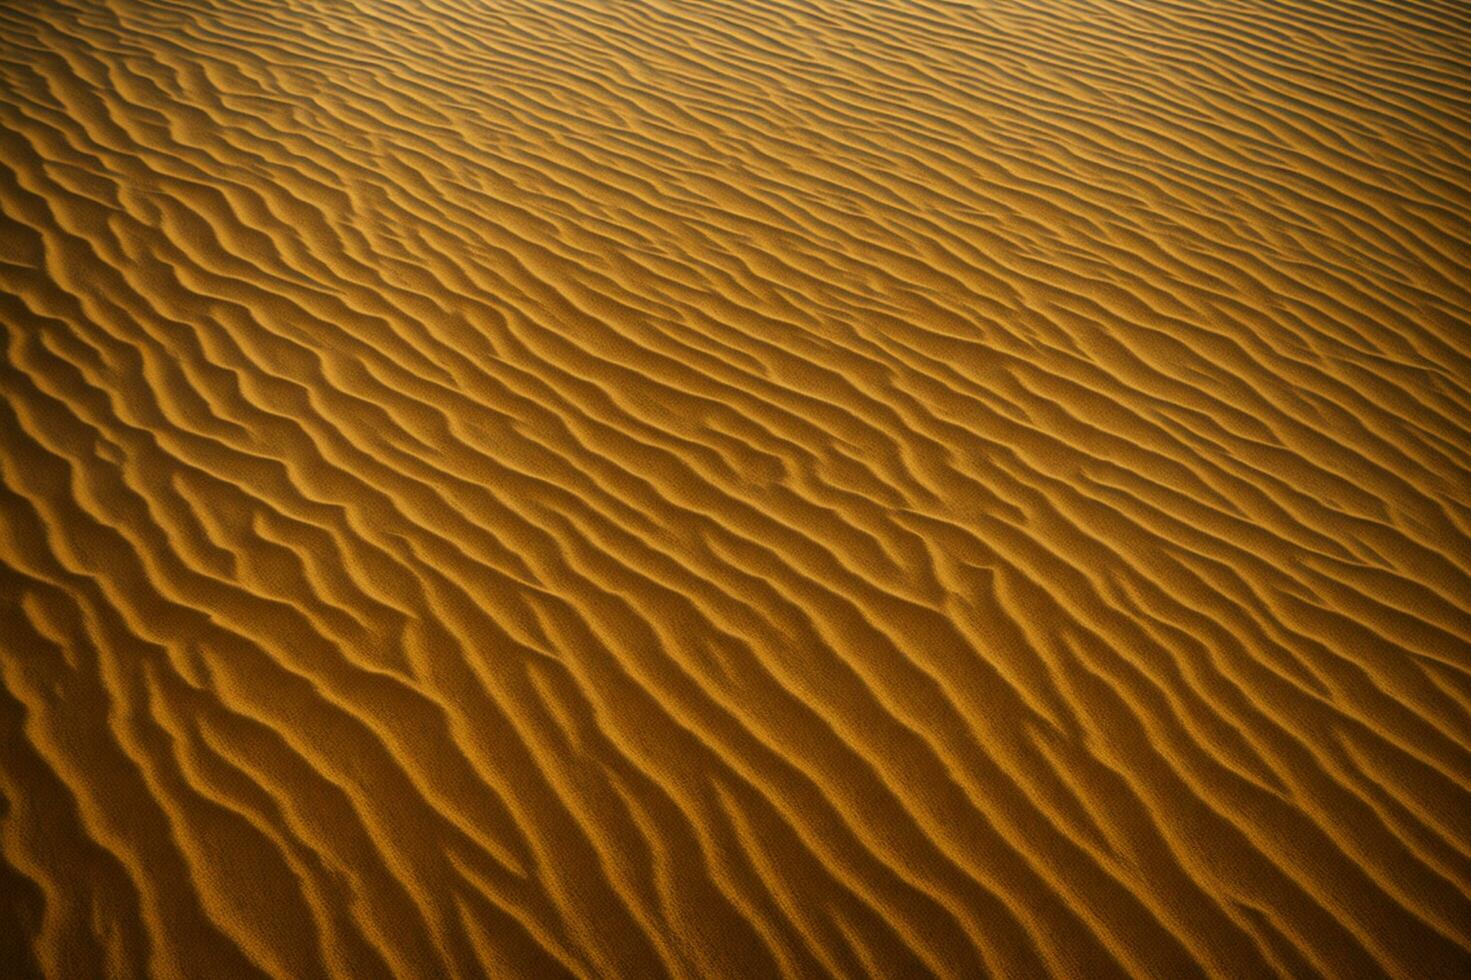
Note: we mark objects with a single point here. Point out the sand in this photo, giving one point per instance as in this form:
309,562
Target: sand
735,488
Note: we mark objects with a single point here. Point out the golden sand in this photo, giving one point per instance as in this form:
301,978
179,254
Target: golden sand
735,488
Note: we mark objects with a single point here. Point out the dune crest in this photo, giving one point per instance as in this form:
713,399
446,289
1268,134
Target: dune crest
735,489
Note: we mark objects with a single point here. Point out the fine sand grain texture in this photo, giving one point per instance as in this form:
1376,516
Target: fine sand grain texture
735,488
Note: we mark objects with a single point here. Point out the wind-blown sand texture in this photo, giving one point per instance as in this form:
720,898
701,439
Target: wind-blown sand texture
735,488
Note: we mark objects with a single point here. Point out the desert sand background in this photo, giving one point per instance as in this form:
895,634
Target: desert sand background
735,488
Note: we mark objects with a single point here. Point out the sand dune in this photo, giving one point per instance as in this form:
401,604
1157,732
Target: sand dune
735,489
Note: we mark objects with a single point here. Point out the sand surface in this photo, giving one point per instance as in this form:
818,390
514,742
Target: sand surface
735,488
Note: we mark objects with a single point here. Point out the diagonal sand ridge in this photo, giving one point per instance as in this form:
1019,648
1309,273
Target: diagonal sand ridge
735,489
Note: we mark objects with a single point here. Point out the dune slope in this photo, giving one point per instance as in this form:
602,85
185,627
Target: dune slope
735,489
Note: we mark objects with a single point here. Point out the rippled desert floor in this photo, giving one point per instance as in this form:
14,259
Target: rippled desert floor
735,488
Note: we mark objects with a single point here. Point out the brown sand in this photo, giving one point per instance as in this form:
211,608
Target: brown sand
735,488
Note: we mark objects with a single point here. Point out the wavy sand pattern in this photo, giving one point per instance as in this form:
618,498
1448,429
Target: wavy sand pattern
710,488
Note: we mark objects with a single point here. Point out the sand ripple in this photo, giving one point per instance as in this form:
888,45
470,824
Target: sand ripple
735,489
